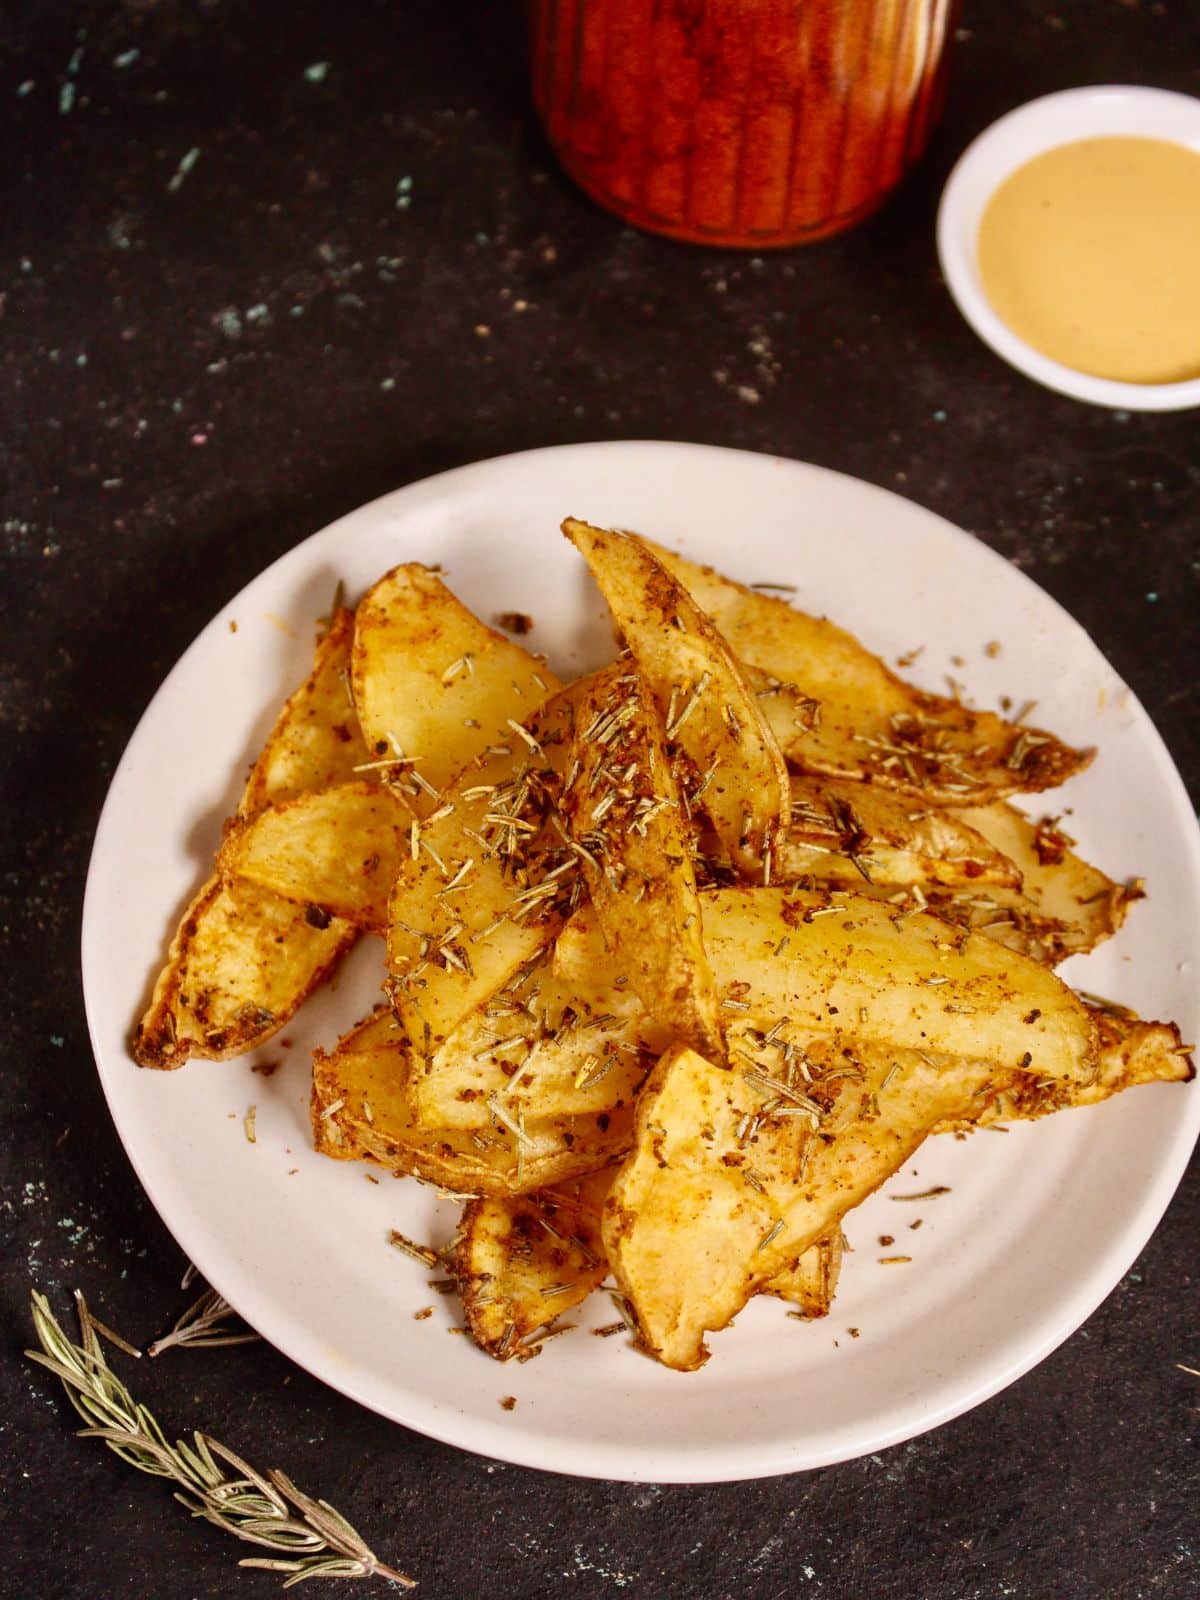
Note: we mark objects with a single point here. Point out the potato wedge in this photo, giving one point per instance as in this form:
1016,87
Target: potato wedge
690,1244
316,739
242,961
423,664
546,1047
838,711
622,807
850,833
336,851
362,1110
707,710
520,1263
493,876
240,965
811,1283
694,1204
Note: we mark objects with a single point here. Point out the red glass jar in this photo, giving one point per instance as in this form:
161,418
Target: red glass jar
739,122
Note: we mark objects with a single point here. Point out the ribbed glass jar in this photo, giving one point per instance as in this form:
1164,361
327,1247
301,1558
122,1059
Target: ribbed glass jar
739,122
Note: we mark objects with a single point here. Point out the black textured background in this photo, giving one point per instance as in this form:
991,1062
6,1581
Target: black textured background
192,378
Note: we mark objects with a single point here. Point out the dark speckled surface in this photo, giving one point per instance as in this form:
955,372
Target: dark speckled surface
204,357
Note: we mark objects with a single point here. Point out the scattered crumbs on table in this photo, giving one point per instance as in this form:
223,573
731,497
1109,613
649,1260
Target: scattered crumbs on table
317,72
404,188
126,59
422,1314
57,1040
509,1403
387,383
1192,1372
409,1247
27,87
1152,596
66,99
958,661
893,1261
939,415
853,1332
233,629
186,162
747,394
456,1329
482,331
938,1188
370,1177
249,1124
265,1069
284,1044
992,649
909,656
292,1171
514,622
915,1225
886,1239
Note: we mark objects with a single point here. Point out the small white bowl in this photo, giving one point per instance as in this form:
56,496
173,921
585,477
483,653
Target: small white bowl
1056,119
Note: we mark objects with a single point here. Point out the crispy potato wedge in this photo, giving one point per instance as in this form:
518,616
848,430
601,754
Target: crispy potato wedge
240,965
362,1110
690,1244
336,851
493,876
422,664
811,1283
693,1205
242,961
546,1046
707,710
520,1263
316,739
622,807
837,710
898,981
850,833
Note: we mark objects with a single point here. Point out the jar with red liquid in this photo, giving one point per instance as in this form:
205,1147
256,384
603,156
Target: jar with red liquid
751,123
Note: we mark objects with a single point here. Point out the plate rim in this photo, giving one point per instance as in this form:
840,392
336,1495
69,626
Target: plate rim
692,1465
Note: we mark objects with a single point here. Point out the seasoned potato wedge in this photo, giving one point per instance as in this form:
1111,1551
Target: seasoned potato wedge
423,664
690,1240
240,965
520,1263
836,710
316,739
362,1110
492,878
622,807
337,851
850,833
242,961
545,1046
693,1205
707,710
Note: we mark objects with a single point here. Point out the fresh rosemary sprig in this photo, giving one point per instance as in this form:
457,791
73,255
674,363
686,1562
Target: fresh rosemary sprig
200,1324
269,1511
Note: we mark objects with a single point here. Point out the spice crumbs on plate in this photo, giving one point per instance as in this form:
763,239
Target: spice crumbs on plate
509,1403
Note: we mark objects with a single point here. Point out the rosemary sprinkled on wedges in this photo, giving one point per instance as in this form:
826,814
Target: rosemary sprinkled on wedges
314,1540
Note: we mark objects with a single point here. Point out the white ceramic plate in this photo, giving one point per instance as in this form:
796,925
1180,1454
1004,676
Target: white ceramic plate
1099,111
1040,1224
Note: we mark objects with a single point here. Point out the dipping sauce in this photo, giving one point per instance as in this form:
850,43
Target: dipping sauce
1091,254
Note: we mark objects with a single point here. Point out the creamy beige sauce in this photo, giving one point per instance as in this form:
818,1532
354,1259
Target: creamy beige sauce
1091,253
